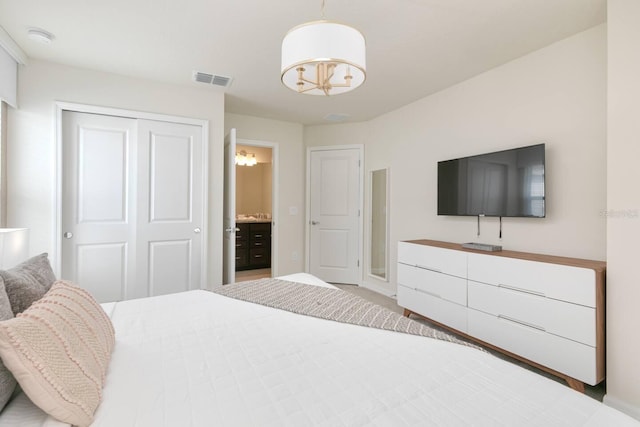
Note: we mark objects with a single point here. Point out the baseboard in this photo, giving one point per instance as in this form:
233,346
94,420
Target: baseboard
379,289
622,406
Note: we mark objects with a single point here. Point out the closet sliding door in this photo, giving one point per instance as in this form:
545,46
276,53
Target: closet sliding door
132,205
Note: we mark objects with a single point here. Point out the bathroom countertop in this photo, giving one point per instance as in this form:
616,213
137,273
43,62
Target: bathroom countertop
253,221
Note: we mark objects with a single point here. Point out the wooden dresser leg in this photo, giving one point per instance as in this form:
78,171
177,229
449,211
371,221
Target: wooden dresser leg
407,312
575,384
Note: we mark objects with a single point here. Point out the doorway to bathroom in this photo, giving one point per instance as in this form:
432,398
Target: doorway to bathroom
254,165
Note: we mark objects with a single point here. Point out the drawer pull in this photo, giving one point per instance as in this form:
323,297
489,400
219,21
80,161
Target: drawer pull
526,291
435,270
520,322
257,256
428,293
257,235
257,244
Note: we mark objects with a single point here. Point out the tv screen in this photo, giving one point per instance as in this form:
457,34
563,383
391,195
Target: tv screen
507,183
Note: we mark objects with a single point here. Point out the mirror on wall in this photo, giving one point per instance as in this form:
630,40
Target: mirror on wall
379,233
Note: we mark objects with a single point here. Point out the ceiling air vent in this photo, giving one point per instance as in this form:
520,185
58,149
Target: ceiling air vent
211,79
336,117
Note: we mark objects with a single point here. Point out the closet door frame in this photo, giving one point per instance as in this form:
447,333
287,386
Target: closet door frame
56,258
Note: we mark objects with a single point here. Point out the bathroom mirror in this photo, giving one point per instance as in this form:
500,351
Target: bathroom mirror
379,231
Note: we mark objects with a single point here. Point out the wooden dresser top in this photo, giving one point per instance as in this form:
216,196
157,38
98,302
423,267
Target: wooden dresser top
552,259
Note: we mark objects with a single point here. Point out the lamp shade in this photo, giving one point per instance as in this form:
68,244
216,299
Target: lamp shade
14,244
308,47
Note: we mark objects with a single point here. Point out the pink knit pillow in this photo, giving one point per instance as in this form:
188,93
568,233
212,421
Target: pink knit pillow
58,350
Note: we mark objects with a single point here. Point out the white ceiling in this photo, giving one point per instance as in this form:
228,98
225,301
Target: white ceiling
414,47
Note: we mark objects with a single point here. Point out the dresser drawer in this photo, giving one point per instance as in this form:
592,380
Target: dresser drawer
442,311
242,258
564,319
440,285
561,282
260,231
260,244
436,259
259,257
568,357
243,231
260,235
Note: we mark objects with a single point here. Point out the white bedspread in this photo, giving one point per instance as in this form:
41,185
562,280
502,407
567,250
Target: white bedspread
201,359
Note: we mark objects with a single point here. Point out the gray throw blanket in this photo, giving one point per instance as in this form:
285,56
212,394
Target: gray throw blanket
330,304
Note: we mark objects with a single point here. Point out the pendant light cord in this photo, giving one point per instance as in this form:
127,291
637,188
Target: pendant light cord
322,9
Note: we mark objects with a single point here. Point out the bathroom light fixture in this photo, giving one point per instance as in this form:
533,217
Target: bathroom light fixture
323,58
244,159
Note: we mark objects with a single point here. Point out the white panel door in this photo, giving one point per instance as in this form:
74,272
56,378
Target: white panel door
132,205
99,206
334,215
170,201
229,208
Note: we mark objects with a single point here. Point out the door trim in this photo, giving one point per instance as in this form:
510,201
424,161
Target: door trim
60,107
307,228
275,186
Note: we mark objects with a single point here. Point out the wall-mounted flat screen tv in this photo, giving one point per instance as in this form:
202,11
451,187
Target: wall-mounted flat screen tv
507,183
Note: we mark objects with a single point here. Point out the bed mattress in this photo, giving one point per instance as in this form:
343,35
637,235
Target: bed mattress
202,359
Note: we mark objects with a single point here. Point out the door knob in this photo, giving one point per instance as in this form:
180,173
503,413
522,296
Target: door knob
196,230
315,222
68,235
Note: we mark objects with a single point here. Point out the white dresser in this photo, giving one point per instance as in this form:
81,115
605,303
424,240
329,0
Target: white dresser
547,311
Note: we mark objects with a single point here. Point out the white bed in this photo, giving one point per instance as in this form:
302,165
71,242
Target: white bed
201,359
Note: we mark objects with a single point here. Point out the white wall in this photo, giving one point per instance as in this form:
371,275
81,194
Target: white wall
556,95
623,176
288,136
32,151
253,189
